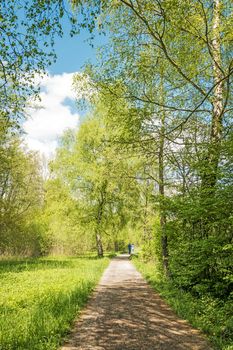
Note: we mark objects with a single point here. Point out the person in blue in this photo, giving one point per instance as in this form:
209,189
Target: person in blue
129,248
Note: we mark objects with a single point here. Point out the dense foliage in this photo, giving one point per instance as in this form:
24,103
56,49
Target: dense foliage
91,199
21,200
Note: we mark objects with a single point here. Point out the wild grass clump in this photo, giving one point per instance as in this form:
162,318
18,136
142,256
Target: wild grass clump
211,315
39,299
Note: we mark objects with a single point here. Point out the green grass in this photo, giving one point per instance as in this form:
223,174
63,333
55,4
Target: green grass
212,316
39,299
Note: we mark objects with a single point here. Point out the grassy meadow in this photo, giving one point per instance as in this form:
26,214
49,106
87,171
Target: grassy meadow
211,315
39,299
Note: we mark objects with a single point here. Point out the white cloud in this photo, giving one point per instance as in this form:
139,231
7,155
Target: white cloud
54,115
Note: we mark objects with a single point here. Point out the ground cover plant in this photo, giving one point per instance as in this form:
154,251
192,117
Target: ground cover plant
211,315
41,297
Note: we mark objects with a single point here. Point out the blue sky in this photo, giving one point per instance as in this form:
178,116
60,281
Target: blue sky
58,111
73,52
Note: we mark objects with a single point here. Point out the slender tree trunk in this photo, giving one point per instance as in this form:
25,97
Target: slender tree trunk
116,246
164,242
211,162
210,174
146,233
99,245
216,131
163,219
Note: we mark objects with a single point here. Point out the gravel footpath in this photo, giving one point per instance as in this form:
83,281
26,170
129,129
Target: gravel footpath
124,313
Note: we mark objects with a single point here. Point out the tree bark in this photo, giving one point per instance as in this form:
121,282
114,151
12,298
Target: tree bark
146,231
102,200
116,246
164,240
99,245
210,173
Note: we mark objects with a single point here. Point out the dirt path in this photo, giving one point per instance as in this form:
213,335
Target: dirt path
124,313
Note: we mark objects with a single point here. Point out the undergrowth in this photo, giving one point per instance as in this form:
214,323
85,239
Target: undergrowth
212,316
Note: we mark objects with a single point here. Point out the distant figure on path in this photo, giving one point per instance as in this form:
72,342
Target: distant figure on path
132,248
129,248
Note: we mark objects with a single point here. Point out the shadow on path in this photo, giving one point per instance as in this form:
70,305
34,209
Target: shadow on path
124,313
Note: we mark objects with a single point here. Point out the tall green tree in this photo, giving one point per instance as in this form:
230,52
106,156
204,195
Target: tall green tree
95,184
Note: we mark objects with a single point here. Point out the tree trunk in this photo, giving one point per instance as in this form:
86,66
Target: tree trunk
146,231
99,245
101,203
164,241
116,246
210,174
211,162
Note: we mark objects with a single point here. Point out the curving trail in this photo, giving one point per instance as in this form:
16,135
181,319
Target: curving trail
124,313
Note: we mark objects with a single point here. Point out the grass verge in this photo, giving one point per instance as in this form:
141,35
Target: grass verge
39,299
212,316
